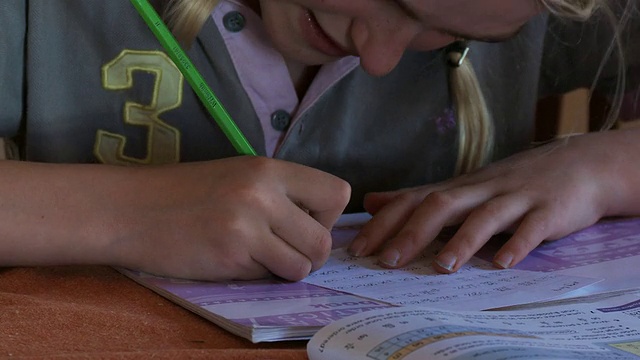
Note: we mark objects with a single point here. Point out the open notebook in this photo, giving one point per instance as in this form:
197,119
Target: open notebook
587,262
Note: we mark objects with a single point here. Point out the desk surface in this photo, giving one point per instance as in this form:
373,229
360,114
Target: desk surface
90,312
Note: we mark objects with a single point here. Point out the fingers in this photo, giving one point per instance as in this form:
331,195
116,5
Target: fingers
535,227
485,213
289,243
303,234
281,259
373,202
545,197
325,196
384,225
258,252
483,222
300,220
438,210
425,221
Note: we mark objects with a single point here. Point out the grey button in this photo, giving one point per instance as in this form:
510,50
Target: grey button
234,21
280,120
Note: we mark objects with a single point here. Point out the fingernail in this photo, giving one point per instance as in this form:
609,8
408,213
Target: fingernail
503,260
357,246
447,260
390,257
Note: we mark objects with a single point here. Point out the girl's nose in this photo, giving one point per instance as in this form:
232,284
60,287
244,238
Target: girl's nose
382,41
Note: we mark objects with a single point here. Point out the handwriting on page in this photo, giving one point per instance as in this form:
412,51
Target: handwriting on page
476,286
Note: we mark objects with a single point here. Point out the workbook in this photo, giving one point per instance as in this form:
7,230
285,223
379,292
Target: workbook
593,261
260,311
265,310
578,329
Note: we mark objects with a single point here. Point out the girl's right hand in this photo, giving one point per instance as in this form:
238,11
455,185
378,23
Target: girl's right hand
236,218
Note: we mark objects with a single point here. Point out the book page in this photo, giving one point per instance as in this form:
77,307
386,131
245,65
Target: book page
582,332
476,286
607,249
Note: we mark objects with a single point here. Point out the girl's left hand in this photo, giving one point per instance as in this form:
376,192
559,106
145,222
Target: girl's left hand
540,194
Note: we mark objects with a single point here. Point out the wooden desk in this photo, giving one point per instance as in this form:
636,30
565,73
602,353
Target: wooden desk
95,312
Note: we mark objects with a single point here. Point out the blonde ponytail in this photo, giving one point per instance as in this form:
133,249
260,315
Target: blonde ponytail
475,125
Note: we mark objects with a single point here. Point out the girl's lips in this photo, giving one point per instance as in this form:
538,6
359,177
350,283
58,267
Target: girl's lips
317,37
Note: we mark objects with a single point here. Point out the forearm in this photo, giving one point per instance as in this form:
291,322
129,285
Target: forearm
623,149
58,214
235,218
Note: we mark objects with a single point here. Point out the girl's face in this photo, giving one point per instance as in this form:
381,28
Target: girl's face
379,31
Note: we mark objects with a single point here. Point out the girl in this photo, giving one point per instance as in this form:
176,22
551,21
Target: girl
341,99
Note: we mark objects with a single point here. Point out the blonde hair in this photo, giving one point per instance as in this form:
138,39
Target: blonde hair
186,17
475,124
582,10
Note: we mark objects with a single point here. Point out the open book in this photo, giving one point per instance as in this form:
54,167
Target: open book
605,329
595,260
265,310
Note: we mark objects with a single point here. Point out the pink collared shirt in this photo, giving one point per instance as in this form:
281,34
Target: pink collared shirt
264,74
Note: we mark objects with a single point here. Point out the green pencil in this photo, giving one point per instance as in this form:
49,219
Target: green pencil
199,86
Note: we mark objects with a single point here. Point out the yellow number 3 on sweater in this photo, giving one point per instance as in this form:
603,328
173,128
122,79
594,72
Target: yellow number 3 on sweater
163,140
